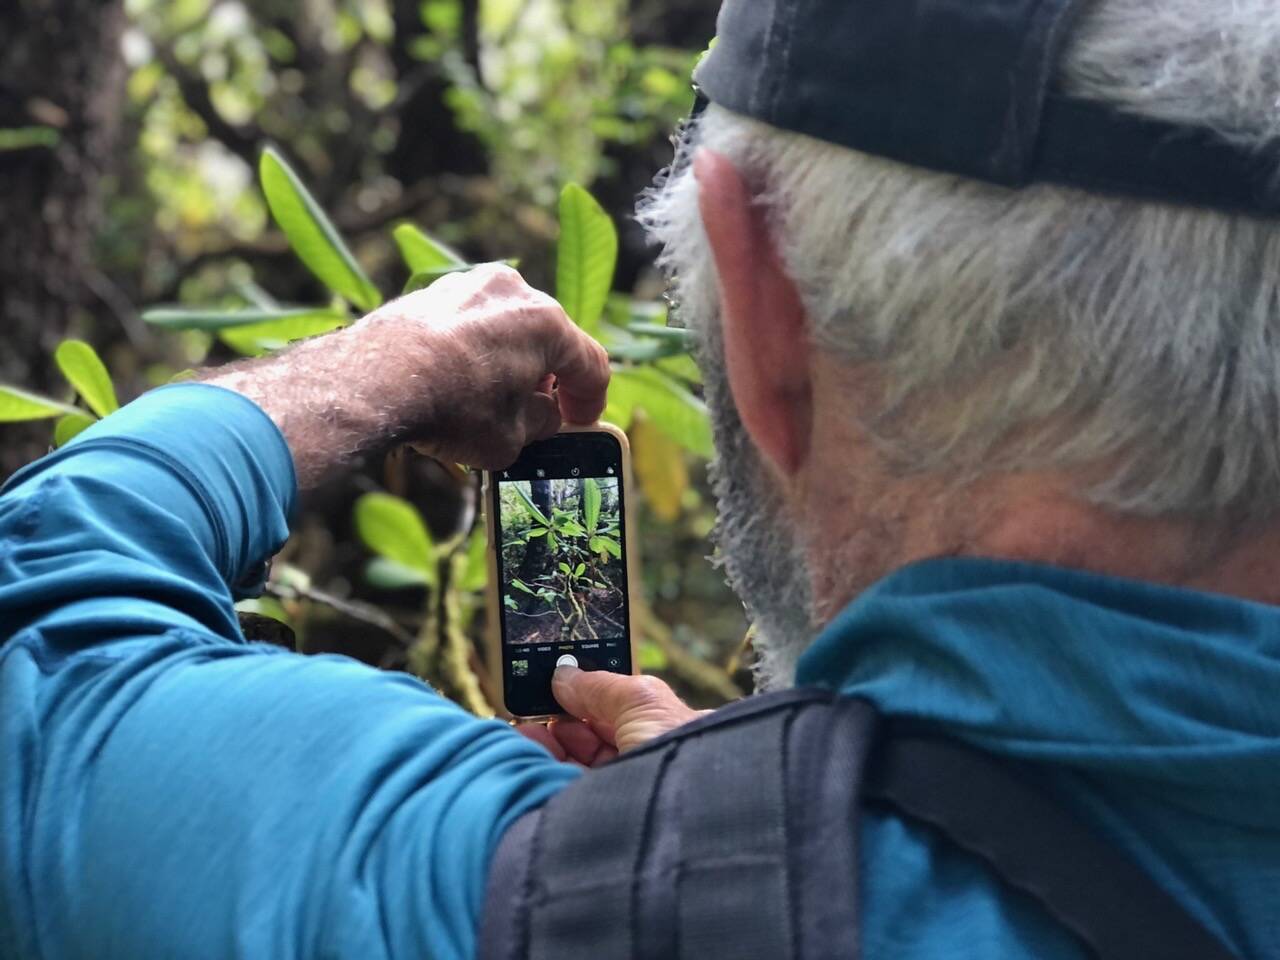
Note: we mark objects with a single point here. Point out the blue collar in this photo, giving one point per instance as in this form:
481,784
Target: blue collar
1169,690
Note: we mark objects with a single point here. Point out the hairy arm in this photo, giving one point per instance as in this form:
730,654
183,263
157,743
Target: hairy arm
167,789
471,370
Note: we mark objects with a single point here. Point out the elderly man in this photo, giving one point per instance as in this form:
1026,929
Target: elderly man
997,400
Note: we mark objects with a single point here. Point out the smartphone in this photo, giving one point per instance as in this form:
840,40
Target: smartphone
560,563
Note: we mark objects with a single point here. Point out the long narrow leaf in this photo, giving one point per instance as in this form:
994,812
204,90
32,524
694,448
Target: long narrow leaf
672,408
421,252
393,528
533,509
24,138
85,371
420,281
586,258
257,339
660,469
71,426
17,405
312,235
199,318
591,504
388,575
682,367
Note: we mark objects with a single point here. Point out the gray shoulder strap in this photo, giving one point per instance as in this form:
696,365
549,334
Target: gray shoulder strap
1001,812
633,863
735,837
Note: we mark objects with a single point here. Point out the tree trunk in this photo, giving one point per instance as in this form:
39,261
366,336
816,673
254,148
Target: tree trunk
61,68
534,563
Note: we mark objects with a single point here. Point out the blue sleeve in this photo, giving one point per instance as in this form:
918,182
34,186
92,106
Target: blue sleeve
167,789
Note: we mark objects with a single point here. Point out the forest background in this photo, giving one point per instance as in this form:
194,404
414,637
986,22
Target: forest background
434,133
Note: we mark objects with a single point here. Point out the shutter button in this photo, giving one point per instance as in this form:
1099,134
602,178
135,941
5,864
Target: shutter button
568,660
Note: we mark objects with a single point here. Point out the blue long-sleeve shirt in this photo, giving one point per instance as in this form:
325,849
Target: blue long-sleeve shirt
169,790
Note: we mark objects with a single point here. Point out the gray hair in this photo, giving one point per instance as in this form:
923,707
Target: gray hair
1045,328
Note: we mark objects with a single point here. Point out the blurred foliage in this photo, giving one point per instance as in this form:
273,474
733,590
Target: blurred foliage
286,164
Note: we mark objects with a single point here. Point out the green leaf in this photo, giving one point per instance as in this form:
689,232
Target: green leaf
532,508
565,568
681,367
652,657
256,339
586,257
255,295
522,587
85,371
388,575
265,607
16,405
290,577
580,569
393,528
312,235
509,603
660,468
24,138
538,532
475,565
606,545
661,332
591,504
70,426
420,281
570,528
646,351
672,408
213,321
423,253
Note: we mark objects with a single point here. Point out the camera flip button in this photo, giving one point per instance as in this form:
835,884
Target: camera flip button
568,660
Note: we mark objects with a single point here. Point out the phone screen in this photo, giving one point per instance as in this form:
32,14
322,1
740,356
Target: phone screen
560,537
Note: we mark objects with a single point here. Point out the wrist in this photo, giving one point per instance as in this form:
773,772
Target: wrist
328,396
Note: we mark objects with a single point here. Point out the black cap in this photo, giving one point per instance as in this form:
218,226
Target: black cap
964,86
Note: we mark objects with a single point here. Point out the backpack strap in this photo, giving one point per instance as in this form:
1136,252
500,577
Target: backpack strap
991,808
736,836
719,840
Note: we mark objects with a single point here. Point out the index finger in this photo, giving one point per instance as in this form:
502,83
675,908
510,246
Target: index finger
582,370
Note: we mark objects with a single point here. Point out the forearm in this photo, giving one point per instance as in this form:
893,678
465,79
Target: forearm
334,398
467,370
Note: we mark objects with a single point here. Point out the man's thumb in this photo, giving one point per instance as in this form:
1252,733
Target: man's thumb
593,695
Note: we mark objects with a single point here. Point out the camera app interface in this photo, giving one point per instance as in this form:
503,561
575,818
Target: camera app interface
562,566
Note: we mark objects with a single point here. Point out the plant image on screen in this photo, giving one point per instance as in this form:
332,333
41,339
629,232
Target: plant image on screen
563,576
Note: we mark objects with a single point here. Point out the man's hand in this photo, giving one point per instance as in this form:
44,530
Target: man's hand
471,370
613,714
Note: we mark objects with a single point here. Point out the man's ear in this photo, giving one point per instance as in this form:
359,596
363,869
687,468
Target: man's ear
766,341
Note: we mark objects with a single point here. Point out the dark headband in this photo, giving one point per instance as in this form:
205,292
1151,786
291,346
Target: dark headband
963,86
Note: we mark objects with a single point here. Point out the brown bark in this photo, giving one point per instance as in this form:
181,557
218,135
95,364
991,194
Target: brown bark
60,67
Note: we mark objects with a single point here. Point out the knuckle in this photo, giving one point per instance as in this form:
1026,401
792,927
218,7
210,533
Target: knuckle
600,353
499,275
648,691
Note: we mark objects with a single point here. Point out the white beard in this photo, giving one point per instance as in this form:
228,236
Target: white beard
758,549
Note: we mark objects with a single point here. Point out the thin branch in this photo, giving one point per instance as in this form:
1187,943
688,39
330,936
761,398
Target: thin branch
697,673
351,609
115,300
